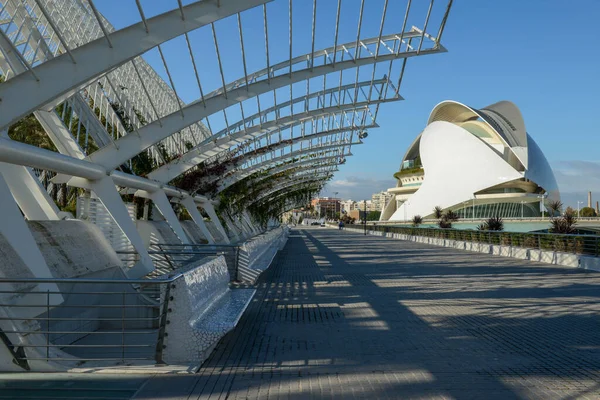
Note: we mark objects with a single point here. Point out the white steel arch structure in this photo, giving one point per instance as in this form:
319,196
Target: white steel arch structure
116,125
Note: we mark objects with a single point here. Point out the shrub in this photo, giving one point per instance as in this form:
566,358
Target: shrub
417,220
444,223
587,212
564,224
554,207
492,224
451,216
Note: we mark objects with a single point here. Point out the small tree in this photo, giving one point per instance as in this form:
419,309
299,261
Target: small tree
492,224
451,216
417,220
554,207
373,215
565,224
444,223
587,212
438,212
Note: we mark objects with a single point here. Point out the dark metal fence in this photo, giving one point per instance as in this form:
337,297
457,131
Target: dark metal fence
100,320
571,243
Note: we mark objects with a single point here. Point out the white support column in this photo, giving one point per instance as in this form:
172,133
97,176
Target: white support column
190,206
231,226
246,219
109,196
164,206
29,194
210,210
249,222
19,237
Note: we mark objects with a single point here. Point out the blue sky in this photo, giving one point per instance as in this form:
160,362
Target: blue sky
541,55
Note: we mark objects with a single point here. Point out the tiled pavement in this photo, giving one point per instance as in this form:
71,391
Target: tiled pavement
344,315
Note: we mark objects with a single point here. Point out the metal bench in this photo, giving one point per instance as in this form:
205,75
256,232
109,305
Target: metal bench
202,309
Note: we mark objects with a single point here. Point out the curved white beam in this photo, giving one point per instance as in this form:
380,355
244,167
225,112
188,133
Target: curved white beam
301,99
61,76
130,145
170,171
243,173
317,181
252,154
325,160
297,169
306,58
283,182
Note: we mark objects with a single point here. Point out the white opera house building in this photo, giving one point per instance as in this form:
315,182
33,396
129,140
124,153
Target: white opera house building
479,163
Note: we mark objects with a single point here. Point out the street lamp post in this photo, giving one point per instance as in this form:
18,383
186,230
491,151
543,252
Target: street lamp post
522,207
473,206
542,197
365,216
335,204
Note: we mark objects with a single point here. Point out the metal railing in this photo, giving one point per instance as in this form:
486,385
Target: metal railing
231,252
565,243
98,320
168,258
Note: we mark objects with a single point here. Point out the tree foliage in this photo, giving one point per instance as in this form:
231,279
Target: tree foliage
417,220
564,224
554,207
492,224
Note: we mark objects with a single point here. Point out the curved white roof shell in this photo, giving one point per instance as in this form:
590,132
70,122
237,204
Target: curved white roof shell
465,150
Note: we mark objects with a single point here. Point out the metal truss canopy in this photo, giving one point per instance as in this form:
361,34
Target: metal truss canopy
107,110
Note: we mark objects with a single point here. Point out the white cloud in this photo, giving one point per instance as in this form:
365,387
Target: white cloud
357,188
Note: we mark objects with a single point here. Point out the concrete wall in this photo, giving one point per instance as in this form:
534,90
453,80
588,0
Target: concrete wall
257,253
193,232
545,256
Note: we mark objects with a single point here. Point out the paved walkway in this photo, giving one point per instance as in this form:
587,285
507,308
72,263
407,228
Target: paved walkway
344,315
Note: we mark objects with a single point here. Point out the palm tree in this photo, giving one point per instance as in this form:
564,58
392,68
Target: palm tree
417,220
492,224
554,207
444,223
565,224
451,216
438,212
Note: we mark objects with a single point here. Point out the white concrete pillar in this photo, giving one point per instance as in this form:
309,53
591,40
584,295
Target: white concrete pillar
109,196
161,201
29,194
190,206
16,232
210,210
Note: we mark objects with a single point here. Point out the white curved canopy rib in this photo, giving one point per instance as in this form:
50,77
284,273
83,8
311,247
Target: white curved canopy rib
356,87
131,145
308,183
340,142
325,149
170,171
61,76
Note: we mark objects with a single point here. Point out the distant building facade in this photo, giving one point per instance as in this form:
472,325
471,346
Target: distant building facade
327,207
380,200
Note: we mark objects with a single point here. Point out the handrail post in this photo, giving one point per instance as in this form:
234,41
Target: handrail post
123,326
237,261
48,325
162,324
